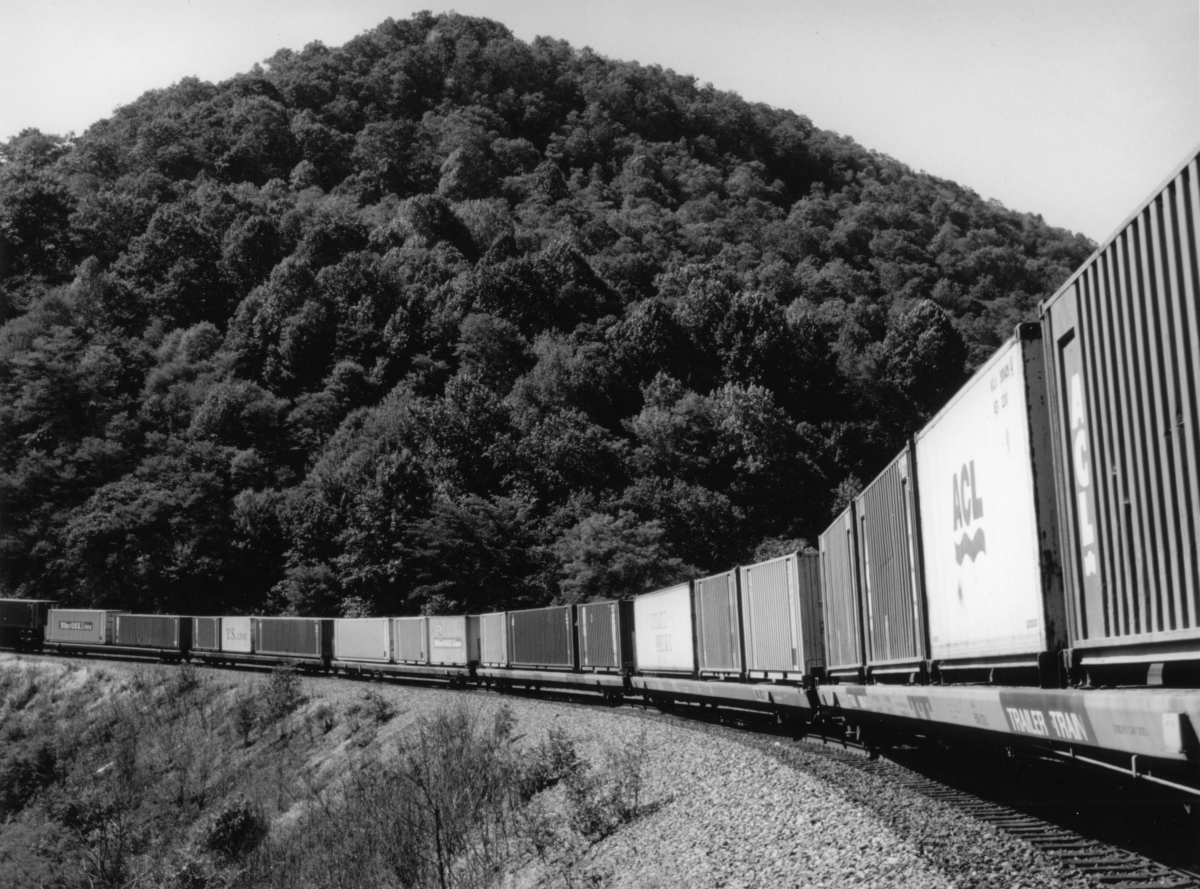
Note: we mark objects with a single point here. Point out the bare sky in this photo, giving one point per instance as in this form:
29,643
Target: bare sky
1074,109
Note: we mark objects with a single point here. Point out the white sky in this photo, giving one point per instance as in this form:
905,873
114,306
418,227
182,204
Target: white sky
1074,109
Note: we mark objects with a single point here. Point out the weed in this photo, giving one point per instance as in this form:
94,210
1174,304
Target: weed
236,830
282,695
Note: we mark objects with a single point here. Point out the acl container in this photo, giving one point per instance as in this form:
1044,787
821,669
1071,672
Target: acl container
410,640
452,639
663,631
988,524
363,639
493,639
840,583
718,624
86,627
1123,347
542,637
781,617
892,592
156,631
306,638
605,635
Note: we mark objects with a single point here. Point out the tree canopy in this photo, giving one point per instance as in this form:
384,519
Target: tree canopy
444,319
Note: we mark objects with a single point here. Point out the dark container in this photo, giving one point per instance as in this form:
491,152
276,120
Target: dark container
542,637
897,641
843,601
297,637
718,624
206,634
606,635
781,614
1123,363
24,614
158,631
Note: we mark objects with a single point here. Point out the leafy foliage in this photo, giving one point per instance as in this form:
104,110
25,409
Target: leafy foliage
442,319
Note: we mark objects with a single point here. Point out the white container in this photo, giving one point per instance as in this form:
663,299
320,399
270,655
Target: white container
84,626
451,640
663,631
362,639
410,640
493,639
236,635
984,482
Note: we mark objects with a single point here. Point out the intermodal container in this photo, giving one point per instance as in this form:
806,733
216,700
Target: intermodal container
237,635
24,614
718,624
1123,349
493,639
158,631
889,547
840,578
363,639
87,627
781,613
542,637
605,635
664,631
206,634
410,640
295,637
450,639
985,485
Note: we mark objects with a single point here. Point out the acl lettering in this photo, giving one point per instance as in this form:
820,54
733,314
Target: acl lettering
1081,464
1056,724
968,509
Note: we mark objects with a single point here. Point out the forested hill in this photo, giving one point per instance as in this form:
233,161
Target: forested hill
441,319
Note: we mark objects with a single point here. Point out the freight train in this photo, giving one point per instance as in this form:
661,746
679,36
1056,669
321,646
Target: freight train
1025,571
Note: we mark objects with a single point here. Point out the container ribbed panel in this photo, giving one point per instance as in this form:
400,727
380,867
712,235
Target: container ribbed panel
889,553
1125,335
150,630
599,635
718,629
206,633
542,637
290,636
839,583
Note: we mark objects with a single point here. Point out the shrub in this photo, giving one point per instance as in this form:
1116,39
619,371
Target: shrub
236,830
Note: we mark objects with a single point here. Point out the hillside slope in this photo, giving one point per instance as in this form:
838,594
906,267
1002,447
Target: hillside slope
441,319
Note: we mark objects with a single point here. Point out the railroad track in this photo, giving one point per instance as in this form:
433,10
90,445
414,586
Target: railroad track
1102,863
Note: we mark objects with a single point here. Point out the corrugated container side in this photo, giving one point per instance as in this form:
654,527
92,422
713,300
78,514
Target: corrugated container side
85,626
206,633
843,602
542,637
410,640
664,632
493,639
718,624
1123,347
449,640
24,614
237,635
363,639
153,631
604,635
301,637
989,533
887,526
781,615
